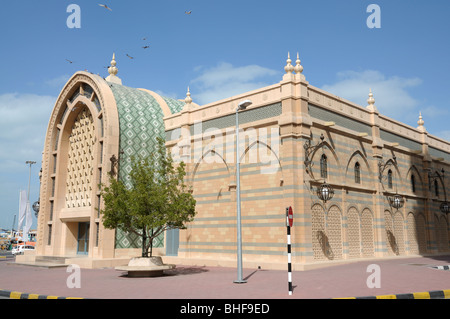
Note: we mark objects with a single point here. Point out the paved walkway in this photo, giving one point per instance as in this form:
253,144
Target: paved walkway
397,276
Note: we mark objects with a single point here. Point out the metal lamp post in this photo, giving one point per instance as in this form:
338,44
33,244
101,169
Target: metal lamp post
29,179
28,194
242,106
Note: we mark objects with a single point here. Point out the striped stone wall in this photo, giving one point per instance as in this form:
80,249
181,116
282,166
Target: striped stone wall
357,223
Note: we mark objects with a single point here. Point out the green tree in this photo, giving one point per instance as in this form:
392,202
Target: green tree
157,200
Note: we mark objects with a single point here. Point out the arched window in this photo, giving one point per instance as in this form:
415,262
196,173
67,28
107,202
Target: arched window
436,188
323,166
413,183
357,173
389,179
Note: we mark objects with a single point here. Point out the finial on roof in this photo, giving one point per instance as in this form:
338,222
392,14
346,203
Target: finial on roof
112,70
299,68
289,68
371,102
188,99
421,122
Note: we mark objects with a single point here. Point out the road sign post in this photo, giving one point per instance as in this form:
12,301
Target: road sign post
289,223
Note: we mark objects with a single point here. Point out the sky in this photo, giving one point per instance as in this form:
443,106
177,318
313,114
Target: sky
220,49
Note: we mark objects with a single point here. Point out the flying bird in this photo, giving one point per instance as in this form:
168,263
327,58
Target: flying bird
69,61
105,6
130,56
188,12
146,47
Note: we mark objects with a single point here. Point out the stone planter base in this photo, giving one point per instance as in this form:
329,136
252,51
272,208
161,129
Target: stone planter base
145,267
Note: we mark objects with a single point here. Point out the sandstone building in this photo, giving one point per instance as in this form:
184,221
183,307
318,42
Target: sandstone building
294,138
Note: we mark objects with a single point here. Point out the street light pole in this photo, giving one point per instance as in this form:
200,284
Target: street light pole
28,195
242,106
29,179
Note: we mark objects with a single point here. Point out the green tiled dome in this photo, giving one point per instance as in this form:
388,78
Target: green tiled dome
140,123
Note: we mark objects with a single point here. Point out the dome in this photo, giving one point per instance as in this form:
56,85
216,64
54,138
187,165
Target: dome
141,114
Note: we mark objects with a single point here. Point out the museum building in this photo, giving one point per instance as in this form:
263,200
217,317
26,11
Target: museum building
361,185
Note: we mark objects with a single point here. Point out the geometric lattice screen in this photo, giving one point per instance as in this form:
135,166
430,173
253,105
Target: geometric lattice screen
80,161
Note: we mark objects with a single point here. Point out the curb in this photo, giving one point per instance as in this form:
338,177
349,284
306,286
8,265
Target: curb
436,294
447,267
21,295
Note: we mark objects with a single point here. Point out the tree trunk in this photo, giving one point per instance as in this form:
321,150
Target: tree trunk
144,243
151,245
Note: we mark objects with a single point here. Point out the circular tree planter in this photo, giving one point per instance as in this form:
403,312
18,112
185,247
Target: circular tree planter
145,267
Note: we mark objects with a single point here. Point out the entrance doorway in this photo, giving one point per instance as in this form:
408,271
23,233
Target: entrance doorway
83,238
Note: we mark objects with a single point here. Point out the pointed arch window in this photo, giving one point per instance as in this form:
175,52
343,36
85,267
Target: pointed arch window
436,188
413,183
389,179
357,173
323,166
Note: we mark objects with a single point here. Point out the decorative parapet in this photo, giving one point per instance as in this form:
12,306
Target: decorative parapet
391,131
324,108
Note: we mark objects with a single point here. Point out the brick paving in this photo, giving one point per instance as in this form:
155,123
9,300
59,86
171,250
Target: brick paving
397,276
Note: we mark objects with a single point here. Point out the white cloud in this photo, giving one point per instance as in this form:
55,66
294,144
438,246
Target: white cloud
58,82
225,80
23,124
391,93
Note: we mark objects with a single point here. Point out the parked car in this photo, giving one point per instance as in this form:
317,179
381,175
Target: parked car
19,250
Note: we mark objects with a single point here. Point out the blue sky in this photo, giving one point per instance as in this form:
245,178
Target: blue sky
221,49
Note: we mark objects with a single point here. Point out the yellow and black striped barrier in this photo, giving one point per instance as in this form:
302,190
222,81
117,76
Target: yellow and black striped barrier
21,295
436,294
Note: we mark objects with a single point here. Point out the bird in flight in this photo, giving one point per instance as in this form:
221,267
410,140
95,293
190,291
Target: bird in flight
146,47
105,6
130,56
69,61
188,12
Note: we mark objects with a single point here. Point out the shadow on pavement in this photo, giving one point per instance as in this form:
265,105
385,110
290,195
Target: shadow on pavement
181,271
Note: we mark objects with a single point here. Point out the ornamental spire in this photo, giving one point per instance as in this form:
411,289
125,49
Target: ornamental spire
371,102
289,68
421,122
299,68
112,70
188,101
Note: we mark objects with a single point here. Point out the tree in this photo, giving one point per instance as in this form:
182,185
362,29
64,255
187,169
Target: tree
157,200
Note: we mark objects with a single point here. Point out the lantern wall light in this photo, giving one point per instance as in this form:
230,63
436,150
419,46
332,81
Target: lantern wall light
396,201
